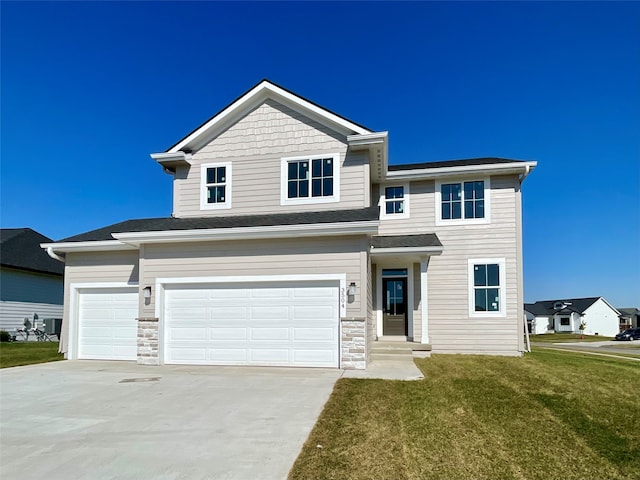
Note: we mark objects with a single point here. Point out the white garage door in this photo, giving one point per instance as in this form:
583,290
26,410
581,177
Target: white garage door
107,326
252,324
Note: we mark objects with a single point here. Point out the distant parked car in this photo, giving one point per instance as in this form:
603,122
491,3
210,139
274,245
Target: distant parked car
629,334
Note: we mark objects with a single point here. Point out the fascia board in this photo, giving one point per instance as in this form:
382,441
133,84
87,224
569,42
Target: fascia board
407,251
249,101
247,233
424,174
103,245
367,139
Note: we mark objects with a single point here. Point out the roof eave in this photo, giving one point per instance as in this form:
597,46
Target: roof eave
520,168
395,251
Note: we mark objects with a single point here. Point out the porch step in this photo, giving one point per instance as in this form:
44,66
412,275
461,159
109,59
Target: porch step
386,349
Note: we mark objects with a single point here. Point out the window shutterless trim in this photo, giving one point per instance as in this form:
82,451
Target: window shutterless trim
502,278
405,200
463,221
204,205
309,198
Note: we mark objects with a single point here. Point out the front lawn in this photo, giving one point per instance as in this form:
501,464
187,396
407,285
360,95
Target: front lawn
26,353
548,415
567,337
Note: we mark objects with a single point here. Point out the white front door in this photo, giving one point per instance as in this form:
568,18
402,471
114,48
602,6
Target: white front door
107,325
277,323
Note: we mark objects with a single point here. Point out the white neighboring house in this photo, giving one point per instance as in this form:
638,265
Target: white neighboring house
31,282
566,315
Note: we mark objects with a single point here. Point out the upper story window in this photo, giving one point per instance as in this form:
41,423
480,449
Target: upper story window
215,185
314,179
487,293
462,202
395,202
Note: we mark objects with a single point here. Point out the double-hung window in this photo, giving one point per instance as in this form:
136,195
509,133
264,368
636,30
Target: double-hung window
314,179
215,186
395,202
464,201
487,287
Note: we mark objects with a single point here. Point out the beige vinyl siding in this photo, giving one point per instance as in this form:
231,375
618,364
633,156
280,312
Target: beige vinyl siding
451,329
96,267
255,146
335,255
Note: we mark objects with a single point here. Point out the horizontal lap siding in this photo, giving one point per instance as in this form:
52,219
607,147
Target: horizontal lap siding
261,257
31,287
103,267
255,146
450,326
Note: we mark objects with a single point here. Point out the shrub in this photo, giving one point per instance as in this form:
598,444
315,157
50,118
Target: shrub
5,336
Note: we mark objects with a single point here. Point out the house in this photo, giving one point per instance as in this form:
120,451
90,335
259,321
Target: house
566,315
294,241
31,283
629,318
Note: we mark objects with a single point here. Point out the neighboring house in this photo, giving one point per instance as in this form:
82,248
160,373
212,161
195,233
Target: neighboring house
31,284
629,318
566,315
293,241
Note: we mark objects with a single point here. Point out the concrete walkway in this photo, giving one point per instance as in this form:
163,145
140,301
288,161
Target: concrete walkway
401,369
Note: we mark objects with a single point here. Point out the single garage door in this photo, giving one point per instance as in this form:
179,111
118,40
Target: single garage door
107,326
252,324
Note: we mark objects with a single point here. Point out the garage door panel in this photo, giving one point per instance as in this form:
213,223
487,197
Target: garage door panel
230,333
270,334
186,333
254,324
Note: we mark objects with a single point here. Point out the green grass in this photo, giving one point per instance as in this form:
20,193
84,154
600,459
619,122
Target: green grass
567,337
26,353
548,415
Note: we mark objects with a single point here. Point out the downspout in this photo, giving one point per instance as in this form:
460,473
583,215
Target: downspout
54,255
527,171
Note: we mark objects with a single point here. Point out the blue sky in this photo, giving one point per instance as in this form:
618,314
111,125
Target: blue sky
90,89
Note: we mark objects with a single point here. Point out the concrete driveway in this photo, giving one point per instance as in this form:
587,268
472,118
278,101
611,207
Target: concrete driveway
118,420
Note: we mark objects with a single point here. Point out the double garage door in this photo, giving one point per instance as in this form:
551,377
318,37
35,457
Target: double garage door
280,324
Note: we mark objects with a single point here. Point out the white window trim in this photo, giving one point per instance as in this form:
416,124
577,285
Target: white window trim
464,221
383,202
285,200
503,288
203,186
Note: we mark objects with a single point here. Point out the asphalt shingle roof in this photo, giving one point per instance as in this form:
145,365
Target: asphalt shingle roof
452,163
545,307
405,241
201,223
20,248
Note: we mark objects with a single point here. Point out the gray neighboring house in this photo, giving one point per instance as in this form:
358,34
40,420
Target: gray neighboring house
295,241
629,318
565,316
31,282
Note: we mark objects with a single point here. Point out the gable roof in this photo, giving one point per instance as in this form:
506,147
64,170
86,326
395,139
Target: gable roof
249,100
20,248
629,311
238,221
578,305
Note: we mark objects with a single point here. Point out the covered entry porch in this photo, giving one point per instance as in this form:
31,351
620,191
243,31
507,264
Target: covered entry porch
399,269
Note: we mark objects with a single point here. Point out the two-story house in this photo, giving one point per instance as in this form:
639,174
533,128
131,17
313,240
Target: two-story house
293,241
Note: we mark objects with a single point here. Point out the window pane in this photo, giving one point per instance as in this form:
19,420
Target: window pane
479,209
220,194
389,208
293,171
480,275
446,211
456,210
394,272
481,300
456,191
316,187
303,188
493,300
468,190
327,167
316,168
468,209
493,274
211,175
221,174
293,189
327,187
479,189
397,206
303,171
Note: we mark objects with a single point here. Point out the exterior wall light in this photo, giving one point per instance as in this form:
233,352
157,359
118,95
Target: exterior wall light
352,289
146,291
